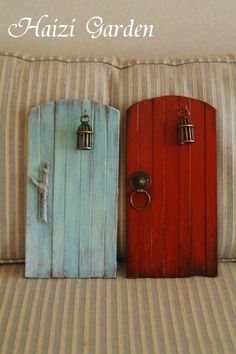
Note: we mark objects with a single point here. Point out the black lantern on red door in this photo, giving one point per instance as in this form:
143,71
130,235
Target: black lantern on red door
185,127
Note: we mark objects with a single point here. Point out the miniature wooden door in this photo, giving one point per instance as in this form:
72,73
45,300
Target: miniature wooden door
171,188
72,190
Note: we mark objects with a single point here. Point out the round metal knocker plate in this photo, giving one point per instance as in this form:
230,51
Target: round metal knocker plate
140,182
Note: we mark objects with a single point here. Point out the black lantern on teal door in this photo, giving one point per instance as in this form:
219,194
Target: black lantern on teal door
84,134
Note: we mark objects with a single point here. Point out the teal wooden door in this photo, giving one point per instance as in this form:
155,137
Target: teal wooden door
72,226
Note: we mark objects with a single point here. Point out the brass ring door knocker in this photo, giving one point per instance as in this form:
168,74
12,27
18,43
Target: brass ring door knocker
140,182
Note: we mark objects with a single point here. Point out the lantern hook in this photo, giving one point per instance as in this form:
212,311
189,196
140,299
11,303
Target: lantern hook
85,117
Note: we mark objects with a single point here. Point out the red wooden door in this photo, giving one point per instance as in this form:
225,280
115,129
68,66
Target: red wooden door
175,235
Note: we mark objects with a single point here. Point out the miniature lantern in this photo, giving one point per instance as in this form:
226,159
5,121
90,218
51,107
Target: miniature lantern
84,134
185,127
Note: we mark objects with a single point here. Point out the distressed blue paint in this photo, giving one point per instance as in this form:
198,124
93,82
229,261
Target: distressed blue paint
81,235
99,192
59,188
111,197
46,155
31,246
85,195
72,202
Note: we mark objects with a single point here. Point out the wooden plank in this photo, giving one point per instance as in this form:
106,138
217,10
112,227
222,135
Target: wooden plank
59,188
111,202
46,155
31,247
99,190
184,199
198,170
85,206
80,237
145,143
185,244
132,164
211,192
171,218
72,190
158,184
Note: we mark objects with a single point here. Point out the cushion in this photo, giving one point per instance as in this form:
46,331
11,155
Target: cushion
28,81
154,316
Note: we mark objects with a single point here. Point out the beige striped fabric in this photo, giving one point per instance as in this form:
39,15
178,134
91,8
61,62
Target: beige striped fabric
123,316
26,82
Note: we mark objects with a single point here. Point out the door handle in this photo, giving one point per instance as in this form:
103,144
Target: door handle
140,182
43,191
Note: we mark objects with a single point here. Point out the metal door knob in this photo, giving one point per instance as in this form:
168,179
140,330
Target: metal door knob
140,181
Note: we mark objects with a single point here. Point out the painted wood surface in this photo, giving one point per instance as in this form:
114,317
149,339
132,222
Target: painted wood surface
176,235
80,237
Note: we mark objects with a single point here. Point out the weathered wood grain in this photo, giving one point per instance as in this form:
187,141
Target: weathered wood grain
99,192
59,188
72,203
80,237
31,246
85,209
46,155
211,197
111,196
176,235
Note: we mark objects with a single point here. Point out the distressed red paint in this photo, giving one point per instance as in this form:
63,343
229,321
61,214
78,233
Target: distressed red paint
176,236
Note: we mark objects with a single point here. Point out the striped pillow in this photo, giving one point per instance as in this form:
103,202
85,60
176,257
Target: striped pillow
26,82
